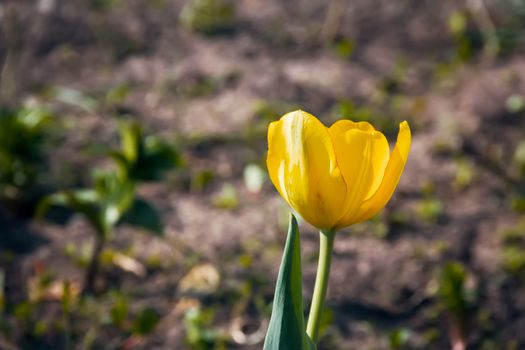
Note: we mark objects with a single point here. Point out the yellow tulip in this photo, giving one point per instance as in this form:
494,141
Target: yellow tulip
337,176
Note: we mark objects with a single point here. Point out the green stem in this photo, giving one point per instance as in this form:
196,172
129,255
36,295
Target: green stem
94,265
321,283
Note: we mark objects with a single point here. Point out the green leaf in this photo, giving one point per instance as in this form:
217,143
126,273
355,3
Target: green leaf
116,195
398,338
143,158
287,328
119,310
144,215
146,321
452,288
25,136
103,205
131,137
83,201
121,162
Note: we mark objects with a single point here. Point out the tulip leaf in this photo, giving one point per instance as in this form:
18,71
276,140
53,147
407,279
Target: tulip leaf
286,330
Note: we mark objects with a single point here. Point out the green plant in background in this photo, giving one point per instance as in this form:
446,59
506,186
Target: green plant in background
200,335
398,339
478,27
112,199
519,158
429,208
466,40
115,309
23,136
514,250
515,104
457,301
227,198
208,16
143,158
344,47
146,321
104,5
465,173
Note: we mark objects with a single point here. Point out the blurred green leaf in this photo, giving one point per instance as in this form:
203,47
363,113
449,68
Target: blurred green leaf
116,195
67,298
344,48
398,338
117,94
103,205
515,103
467,37
514,249
208,16
23,137
457,22
142,214
200,334
514,259
146,321
518,204
84,202
104,5
202,179
452,287
455,299
131,140
464,174
430,209
227,197
119,310
519,157
143,158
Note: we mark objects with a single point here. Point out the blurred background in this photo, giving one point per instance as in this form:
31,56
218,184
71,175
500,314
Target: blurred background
135,208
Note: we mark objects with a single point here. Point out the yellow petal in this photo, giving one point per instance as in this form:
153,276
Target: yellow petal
303,167
275,166
393,172
362,154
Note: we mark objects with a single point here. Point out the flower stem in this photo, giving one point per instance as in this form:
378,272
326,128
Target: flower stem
321,283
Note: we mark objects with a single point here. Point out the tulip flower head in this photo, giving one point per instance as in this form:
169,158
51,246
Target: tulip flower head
338,176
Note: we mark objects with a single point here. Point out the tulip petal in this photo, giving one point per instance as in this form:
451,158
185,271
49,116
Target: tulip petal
393,172
303,167
362,154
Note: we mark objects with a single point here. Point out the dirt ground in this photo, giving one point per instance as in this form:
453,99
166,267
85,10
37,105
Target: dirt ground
212,93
